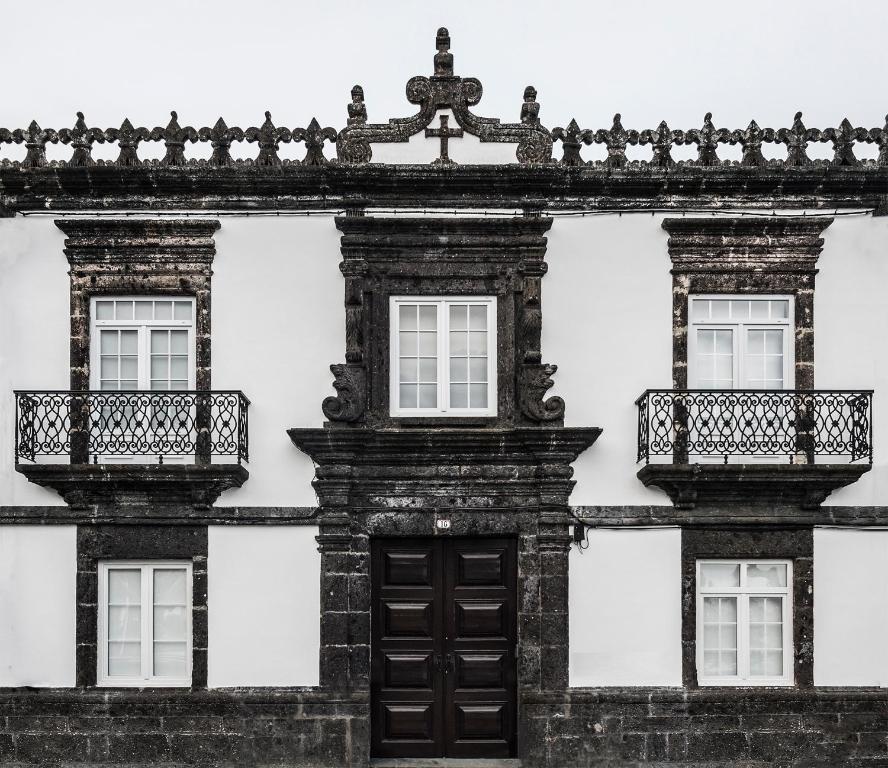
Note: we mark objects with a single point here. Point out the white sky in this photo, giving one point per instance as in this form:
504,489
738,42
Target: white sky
647,60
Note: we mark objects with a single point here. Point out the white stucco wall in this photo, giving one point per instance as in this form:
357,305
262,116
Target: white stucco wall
850,328
625,608
34,334
38,600
607,325
850,607
277,324
263,605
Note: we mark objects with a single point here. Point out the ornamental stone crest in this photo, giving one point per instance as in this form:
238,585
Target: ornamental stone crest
444,90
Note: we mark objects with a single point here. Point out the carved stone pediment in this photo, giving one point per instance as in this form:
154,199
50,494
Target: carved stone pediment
410,256
444,90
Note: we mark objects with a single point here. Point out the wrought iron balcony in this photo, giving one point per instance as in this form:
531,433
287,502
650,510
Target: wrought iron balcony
801,425
104,426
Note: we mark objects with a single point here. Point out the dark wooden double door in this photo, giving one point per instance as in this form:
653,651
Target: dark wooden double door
443,667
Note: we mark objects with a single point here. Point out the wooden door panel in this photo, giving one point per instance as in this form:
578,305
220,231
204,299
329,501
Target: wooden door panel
443,631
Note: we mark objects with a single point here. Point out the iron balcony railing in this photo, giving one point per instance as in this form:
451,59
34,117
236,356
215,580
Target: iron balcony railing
98,426
797,424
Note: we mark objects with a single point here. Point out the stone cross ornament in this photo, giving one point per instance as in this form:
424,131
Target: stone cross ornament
445,133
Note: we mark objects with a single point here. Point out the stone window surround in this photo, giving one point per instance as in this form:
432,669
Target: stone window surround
745,255
138,257
795,544
138,542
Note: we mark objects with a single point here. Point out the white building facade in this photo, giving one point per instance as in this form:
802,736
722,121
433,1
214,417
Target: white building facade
673,550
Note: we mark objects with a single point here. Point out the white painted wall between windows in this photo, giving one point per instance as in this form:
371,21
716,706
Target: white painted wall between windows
38,600
625,608
850,607
35,334
263,605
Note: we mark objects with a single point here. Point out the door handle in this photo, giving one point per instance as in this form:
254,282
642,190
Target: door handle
450,664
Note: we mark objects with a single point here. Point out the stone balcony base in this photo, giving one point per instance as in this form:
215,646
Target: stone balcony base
801,485
89,485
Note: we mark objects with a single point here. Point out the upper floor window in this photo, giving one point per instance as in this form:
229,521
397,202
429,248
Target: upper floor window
142,343
443,356
741,342
744,622
144,623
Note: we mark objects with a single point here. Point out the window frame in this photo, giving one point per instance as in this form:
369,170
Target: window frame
743,593
443,356
786,324
144,328
103,679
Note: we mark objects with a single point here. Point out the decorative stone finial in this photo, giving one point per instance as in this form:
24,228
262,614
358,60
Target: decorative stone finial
81,139
530,109
443,58
357,110
269,138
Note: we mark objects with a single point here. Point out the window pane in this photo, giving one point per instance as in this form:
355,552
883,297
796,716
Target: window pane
700,309
739,309
779,310
124,659
724,342
163,310
705,341
458,343
124,586
109,367
104,310
170,586
108,342
459,395
409,369
428,396
459,369
428,343
125,622
478,395
124,310
478,369
755,342
407,317
170,622
129,342
719,309
179,368
407,396
129,367
144,310
720,636
407,343
774,341
182,310
158,367
478,318
179,342
478,343
772,575
428,370
760,310
774,367
169,659
458,320
719,575
160,342
428,317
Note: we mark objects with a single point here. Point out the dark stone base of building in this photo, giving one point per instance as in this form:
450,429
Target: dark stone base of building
741,728
583,727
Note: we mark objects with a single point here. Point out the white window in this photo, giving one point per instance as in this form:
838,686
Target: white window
443,356
142,343
741,342
744,622
144,624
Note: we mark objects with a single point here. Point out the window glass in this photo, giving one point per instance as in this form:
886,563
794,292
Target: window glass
442,356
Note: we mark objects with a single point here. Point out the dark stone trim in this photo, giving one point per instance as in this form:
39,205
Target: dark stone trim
742,515
796,544
168,514
404,256
801,485
302,727
745,255
138,257
505,187
113,486
138,542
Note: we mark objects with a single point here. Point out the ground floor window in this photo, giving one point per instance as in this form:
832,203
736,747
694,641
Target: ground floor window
744,622
144,624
